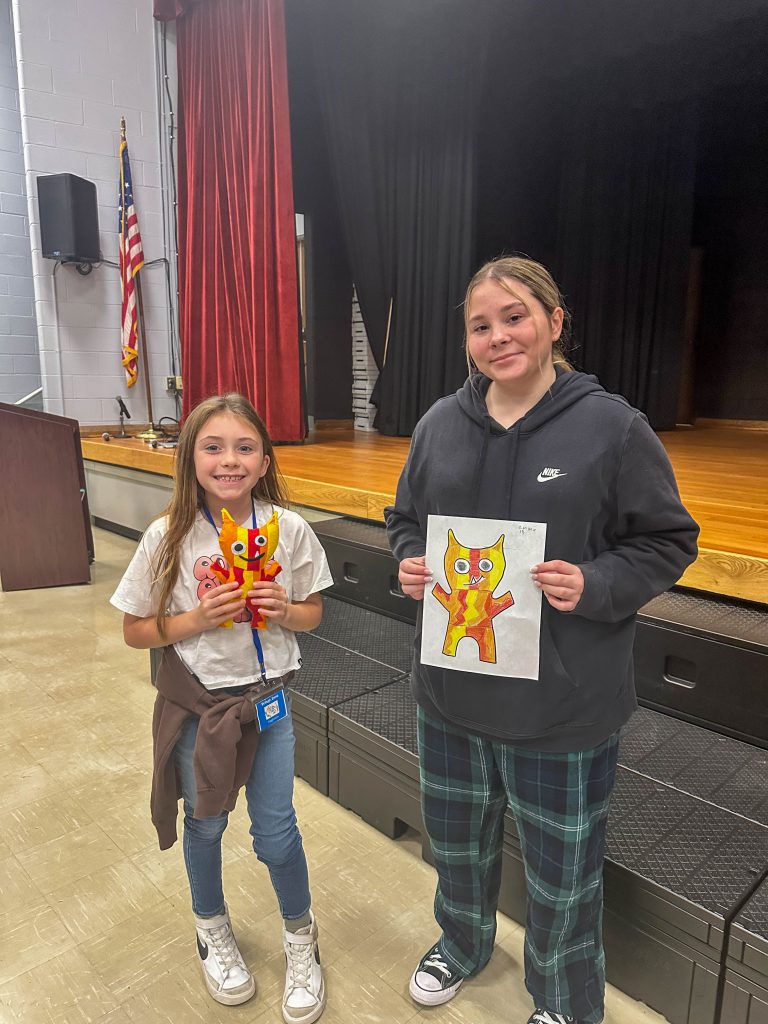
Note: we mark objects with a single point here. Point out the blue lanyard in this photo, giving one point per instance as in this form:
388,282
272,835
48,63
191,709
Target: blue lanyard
254,632
209,517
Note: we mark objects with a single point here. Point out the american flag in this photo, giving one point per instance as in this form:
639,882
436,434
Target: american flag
131,262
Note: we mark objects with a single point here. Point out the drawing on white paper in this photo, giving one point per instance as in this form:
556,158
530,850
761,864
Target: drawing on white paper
483,612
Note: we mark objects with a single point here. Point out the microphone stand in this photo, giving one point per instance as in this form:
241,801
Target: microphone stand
122,412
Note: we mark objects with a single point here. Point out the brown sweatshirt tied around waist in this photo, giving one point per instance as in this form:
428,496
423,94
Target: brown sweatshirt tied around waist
226,743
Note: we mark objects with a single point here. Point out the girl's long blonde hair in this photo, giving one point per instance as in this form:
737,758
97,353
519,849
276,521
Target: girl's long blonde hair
505,270
188,496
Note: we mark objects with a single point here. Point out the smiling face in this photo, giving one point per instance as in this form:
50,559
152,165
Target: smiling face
509,332
229,461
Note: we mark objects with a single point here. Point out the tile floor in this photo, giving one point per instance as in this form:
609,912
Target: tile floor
95,920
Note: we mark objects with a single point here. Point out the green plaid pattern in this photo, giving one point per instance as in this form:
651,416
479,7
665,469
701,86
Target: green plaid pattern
560,803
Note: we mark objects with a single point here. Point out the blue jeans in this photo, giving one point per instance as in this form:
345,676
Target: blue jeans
276,837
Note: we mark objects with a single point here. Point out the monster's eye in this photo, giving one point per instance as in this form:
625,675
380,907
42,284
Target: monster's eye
238,548
261,540
461,565
485,564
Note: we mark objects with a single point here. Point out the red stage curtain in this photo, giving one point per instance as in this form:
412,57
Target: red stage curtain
237,239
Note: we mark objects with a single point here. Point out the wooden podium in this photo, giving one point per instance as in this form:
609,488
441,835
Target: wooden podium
45,526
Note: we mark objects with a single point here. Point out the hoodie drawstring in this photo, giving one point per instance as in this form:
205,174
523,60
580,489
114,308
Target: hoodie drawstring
480,463
512,468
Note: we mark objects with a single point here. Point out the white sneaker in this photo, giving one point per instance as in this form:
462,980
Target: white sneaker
227,978
304,996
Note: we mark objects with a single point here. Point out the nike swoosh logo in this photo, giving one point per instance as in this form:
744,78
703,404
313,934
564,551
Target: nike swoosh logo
202,949
543,479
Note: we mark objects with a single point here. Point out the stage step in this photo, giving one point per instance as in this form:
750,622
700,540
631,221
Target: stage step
705,660
329,675
373,759
375,636
677,864
697,761
745,997
363,568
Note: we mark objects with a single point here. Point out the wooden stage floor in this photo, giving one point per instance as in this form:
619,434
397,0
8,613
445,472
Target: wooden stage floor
722,472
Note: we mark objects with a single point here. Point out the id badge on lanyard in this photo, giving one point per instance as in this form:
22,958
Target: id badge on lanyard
269,705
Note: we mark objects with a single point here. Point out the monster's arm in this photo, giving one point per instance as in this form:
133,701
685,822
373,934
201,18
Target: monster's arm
500,604
442,596
271,570
220,569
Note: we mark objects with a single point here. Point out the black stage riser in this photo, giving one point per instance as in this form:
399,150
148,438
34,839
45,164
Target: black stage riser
330,675
363,568
705,660
745,999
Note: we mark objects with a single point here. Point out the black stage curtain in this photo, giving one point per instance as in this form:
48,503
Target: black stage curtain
624,237
398,95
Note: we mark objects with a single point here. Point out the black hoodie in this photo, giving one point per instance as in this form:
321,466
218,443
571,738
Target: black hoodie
589,466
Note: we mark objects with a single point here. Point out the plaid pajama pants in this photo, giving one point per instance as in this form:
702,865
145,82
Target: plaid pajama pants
560,803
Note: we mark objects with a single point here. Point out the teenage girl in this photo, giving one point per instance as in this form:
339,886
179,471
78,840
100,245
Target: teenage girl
172,594
528,438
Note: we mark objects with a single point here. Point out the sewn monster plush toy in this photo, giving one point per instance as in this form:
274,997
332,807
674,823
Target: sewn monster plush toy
248,554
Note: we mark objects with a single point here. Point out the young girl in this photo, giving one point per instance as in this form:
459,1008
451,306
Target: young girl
529,439
214,668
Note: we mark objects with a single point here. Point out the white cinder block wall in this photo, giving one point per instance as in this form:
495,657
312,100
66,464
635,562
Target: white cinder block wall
19,359
81,64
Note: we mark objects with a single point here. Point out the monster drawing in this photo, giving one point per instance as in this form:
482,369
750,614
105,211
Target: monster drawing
472,574
247,553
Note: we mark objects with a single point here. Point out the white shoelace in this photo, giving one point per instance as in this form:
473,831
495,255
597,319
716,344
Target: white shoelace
222,940
300,964
545,1017
435,960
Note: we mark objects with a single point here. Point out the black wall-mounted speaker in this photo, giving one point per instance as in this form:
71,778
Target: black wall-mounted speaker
69,218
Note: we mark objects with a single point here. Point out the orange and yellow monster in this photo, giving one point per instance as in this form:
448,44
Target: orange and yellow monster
248,554
472,574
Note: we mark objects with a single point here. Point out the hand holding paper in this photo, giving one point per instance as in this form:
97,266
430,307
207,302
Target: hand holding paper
414,576
562,583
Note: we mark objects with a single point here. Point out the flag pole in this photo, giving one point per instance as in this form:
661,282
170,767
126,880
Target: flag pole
150,433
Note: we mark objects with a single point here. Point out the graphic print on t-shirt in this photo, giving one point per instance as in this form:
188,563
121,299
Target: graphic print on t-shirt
203,571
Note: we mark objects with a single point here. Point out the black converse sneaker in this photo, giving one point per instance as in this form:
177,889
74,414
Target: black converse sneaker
226,976
434,982
549,1017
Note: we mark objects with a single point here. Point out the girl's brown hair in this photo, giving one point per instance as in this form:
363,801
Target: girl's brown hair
188,496
539,281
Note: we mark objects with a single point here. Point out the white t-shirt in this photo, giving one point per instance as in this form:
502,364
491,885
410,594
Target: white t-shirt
227,657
